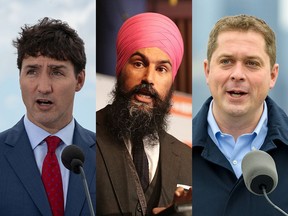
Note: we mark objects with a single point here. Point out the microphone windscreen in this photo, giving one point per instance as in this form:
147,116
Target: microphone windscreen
73,157
259,170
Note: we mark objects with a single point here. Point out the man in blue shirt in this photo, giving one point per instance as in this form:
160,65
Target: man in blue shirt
239,117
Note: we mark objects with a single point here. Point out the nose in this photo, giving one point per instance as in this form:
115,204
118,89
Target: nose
238,73
44,85
149,76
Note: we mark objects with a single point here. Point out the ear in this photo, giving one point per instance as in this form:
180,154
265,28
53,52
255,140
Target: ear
80,80
206,70
274,75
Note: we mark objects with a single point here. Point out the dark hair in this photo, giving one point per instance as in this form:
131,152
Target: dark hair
51,38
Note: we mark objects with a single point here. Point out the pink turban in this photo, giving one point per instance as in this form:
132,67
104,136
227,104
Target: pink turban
149,30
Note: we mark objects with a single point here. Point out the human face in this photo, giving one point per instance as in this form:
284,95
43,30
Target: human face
150,65
239,75
48,87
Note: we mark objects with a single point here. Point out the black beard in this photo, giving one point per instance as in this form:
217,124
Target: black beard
129,119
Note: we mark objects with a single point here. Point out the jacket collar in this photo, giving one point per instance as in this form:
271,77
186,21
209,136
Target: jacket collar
277,125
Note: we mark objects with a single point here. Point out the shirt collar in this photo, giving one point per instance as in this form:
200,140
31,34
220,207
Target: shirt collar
214,126
36,134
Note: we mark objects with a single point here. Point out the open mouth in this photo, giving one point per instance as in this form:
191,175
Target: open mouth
144,95
236,93
44,102
146,92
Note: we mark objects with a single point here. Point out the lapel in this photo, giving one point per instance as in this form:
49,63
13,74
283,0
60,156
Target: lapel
22,161
76,194
115,162
170,160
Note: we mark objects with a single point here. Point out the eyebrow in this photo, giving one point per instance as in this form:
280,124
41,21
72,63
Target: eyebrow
50,66
57,66
146,59
232,56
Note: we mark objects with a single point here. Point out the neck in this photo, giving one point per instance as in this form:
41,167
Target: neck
238,125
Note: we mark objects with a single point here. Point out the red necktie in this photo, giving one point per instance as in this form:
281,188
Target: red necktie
51,177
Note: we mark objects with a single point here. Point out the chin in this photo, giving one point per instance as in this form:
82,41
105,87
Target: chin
45,119
141,105
237,112
136,106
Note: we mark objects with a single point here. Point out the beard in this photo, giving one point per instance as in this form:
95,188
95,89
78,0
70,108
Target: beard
129,118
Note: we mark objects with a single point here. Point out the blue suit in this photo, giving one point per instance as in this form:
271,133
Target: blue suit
21,188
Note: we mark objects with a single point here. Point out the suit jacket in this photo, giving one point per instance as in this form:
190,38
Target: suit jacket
21,188
113,175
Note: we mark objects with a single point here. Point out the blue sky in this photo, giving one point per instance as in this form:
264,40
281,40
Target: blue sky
80,15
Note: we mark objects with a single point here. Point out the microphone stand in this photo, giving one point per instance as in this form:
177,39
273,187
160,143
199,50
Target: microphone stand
87,191
269,201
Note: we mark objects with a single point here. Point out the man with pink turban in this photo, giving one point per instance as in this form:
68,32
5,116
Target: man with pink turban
139,164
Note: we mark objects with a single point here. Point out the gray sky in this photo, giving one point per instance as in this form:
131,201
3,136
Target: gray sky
274,12
80,15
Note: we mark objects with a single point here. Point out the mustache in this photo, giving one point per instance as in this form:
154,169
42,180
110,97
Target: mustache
145,88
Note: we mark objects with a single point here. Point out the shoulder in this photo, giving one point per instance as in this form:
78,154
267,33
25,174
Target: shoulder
84,135
170,138
275,113
4,135
277,121
100,115
14,131
202,114
174,144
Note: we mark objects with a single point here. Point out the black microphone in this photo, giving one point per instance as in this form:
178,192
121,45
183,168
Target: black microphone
260,174
73,158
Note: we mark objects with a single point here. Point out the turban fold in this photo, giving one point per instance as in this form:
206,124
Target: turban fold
149,30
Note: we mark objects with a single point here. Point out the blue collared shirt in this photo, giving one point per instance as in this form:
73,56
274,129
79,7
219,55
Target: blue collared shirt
235,151
37,135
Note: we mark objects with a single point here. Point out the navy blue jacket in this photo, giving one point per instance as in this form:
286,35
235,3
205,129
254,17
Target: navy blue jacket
216,189
21,189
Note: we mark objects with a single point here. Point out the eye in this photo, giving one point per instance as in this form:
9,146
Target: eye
31,72
225,61
252,63
138,64
162,69
56,73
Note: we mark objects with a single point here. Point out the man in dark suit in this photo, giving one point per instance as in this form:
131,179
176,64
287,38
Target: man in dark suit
139,165
51,60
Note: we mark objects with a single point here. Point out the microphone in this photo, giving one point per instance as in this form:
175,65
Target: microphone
260,174
73,158
259,170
